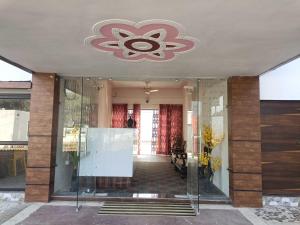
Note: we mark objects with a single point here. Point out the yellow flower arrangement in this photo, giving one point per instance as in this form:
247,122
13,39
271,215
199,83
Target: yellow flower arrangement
207,135
210,142
204,158
210,139
216,163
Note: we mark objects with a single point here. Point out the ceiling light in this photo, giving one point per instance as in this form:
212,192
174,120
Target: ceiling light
109,78
176,80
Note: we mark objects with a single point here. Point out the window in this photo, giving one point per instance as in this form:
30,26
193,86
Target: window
14,118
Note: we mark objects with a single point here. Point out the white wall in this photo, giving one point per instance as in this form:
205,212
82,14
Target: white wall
282,83
137,96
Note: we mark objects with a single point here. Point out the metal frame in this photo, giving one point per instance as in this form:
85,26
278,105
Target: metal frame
15,96
13,142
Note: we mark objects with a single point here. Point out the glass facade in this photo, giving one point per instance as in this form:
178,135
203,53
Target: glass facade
194,139
14,118
207,140
214,129
78,112
94,159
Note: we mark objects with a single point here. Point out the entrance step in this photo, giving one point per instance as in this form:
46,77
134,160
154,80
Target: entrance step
147,208
140,199
137,199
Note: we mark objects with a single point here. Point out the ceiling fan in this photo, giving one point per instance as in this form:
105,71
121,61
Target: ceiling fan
149,90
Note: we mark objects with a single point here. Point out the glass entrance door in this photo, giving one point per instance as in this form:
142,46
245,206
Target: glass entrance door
103,157
193,143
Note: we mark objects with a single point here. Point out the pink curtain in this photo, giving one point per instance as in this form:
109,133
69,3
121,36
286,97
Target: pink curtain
119,115
137,123
170,127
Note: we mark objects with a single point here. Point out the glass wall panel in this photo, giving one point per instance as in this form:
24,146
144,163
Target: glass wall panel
68,136
95,159
14,117
193,142
79,102
89,122
213,158
207,140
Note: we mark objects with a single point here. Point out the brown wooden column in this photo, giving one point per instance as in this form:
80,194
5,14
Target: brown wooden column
245,179
42,137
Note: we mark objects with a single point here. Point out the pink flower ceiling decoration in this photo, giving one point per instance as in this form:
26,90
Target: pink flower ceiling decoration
153,40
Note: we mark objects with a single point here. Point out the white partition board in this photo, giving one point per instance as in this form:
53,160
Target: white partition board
109,153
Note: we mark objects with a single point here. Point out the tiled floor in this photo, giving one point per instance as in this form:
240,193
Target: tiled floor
156,175
152,174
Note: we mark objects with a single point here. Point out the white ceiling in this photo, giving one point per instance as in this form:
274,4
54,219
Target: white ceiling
236,37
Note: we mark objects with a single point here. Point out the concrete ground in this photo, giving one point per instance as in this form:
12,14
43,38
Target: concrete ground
64,213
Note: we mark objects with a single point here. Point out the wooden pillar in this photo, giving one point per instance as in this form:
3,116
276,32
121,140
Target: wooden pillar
42,137
245,178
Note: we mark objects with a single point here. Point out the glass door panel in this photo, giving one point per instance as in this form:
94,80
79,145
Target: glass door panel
86,180
193,144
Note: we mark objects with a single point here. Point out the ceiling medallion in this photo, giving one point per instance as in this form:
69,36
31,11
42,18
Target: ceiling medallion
149,40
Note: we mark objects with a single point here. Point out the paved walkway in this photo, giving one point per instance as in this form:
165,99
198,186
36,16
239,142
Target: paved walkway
10,209
64,213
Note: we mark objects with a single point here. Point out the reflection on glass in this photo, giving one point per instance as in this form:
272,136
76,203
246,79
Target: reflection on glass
145,195
85,125
79,112
207,144
14,117
68,136
213,159
193,143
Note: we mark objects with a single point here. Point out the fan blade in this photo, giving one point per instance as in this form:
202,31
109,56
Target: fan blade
154,90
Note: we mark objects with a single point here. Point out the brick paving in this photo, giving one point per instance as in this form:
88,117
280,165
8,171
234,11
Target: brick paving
10,209
62,215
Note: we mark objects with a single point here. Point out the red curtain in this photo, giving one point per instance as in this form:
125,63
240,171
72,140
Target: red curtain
137,123
170,127
119,115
